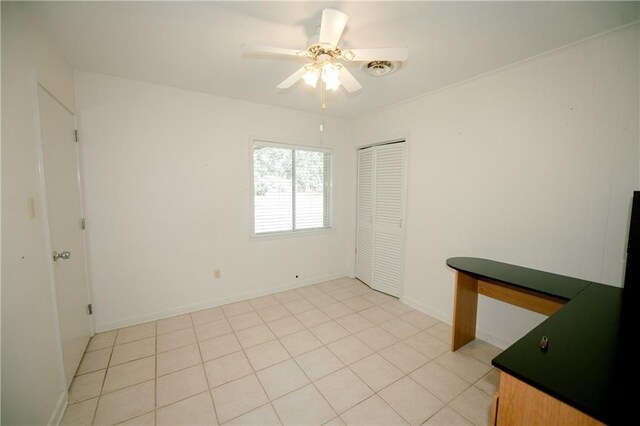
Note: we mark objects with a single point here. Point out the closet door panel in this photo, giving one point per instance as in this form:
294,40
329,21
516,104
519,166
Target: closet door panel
365,205
380,215
388,218
387,263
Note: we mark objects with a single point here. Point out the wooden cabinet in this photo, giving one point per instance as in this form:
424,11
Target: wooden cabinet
518,403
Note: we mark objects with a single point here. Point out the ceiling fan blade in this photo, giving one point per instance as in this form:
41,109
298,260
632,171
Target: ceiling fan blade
379,54
332,26
271,50
289,81
349,81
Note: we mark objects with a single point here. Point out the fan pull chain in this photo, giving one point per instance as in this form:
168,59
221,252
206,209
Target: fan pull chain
323,95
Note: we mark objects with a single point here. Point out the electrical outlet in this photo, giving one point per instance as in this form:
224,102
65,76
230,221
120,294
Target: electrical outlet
216,274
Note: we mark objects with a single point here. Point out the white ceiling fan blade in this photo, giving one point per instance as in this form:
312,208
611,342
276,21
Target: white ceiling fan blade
289,81
349,81
270,50
332,26
379,54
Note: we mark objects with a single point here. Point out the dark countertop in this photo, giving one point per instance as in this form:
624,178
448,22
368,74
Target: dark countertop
582,364
579,366
531,279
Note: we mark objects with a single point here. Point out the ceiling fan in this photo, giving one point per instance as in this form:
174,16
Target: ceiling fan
324,55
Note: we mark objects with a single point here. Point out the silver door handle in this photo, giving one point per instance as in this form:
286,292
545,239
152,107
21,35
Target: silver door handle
63,255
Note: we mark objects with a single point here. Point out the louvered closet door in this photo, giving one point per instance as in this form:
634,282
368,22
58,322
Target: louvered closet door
364,231
388,215
381,200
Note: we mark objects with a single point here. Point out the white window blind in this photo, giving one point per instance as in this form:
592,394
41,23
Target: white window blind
291,188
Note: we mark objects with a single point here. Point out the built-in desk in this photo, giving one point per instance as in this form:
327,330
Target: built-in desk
538,291
581,366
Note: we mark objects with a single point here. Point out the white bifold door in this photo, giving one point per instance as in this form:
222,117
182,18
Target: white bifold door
380,216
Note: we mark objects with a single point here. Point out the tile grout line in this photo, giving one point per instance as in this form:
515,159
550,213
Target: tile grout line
291,357
277,338
128,386
325,345
458,375
255,373
312,382
116,365
376,393
104,379
206,376
375,352
135,384
138,415
136,340
348,366
112,346
277,302
179,370
463,416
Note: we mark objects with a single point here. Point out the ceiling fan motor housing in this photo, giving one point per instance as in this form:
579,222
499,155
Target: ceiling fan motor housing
379,68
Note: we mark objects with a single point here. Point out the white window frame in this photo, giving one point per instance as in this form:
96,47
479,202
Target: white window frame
328,186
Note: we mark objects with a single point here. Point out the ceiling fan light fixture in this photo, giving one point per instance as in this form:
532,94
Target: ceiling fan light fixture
324,54
333,85
330,74
311,76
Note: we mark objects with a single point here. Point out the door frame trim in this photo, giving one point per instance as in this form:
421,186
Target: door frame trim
371,142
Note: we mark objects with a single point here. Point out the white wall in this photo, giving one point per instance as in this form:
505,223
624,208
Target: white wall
534,165
167,182
32,383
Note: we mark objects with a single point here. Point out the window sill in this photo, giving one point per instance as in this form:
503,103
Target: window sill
291,234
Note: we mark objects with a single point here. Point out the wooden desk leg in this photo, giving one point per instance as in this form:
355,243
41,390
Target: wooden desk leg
465,310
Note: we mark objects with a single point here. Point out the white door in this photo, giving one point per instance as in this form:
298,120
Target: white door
64,206
364,221
381,201
388,218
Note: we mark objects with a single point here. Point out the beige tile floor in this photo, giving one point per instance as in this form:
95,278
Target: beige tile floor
331,353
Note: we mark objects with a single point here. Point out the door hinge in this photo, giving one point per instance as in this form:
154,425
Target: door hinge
75,135
90,308
83,223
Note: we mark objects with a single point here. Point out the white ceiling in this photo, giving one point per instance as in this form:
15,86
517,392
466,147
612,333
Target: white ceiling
197,45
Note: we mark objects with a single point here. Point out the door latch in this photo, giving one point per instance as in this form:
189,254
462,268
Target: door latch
62,255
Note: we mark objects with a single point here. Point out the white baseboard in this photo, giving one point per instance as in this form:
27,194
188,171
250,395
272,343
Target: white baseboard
447,318
154,316
437,314
59,409
493,339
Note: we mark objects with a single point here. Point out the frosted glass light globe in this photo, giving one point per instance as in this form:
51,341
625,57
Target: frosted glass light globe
330,73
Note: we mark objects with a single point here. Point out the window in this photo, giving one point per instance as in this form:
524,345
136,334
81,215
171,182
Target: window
291,188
